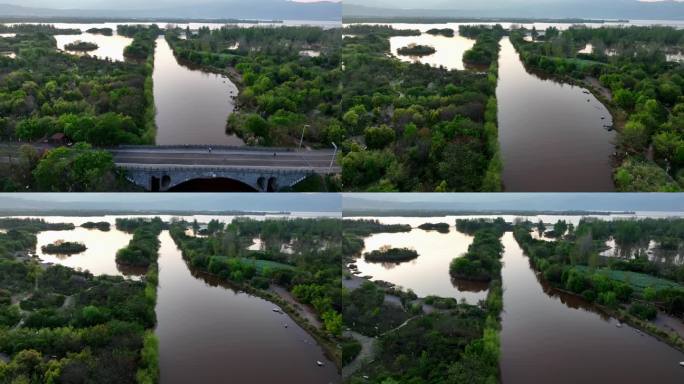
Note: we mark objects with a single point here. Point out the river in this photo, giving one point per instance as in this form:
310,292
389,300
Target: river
552,135
192,105
208,332
550,337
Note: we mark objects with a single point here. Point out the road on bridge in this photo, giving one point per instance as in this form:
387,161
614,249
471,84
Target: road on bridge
180,157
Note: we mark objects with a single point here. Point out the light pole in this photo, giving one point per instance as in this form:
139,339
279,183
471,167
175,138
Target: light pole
301,140
333,158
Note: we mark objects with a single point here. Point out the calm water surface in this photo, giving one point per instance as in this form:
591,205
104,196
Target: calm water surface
450,50
109,47
549,337
552,135
210,333
429,273
192,105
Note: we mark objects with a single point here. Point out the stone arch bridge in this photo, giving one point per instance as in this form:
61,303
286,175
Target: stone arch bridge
161,168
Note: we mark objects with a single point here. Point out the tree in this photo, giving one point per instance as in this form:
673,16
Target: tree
332,322
379,137
634,137
77,169
625,99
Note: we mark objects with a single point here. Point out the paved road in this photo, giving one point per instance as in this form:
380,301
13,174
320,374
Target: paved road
318,160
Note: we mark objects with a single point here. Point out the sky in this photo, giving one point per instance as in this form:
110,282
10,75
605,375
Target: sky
519,201
299,202
122,4
480,4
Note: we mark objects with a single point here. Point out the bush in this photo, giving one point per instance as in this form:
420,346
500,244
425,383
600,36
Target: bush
644,311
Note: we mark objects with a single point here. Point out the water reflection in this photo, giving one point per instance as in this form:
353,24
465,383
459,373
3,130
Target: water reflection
450,50
109,47
98,258
429,273
552,135
551,337
192,105
649,249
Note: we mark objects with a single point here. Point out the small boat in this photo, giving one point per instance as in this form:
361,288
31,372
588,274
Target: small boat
319,363
681,363
603,117
619,324
277,310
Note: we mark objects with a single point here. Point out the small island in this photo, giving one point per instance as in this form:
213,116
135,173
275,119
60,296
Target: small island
416,50
101,31
81,46
63,248
439,227
100,225
391,255
447,32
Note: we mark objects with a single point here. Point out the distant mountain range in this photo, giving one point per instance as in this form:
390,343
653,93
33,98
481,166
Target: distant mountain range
514,202
227,9
14,203
558,9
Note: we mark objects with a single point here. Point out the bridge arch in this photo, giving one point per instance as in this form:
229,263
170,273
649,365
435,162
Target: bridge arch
222,179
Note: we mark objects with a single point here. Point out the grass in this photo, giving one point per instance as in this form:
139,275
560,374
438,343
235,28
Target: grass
583,63
638,281
263,264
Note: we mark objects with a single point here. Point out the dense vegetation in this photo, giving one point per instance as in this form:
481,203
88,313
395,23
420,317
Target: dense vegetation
81,46
633,288
100,225
645,93
143,248
44,92
71,326
486,48
310,272
413,127
416,50
482,262
391,255
447,32
452,343
439,227
64,248
101,31
283,89
33,225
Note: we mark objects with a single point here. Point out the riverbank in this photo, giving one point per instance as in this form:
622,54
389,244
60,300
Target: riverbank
660,333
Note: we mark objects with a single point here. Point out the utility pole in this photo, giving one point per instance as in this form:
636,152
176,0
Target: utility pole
333,158
301,140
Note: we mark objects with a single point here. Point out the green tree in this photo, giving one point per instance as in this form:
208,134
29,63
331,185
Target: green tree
77,169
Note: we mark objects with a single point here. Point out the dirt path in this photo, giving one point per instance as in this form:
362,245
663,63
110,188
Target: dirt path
367,352
594,82
304,310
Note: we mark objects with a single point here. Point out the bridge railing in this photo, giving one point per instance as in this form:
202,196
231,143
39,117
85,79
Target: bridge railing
272,170
206,147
